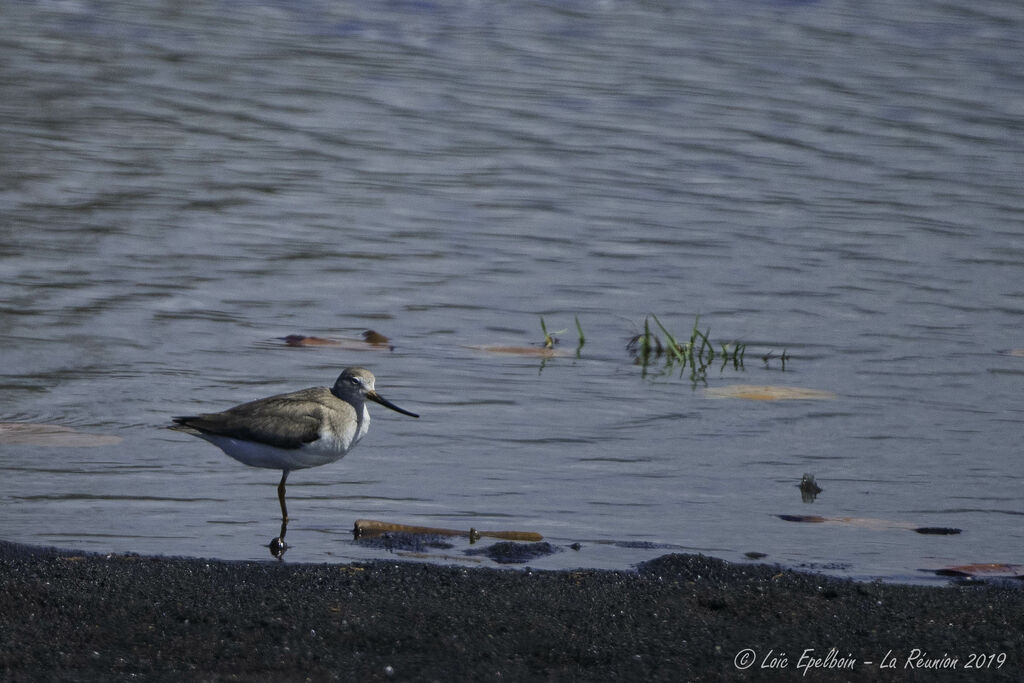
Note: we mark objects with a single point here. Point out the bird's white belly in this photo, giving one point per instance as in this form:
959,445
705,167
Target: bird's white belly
324,450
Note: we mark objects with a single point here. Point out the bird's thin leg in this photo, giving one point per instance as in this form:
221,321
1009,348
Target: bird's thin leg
280,497
277,545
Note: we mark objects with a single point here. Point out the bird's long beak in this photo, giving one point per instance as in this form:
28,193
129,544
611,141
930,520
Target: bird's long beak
377,398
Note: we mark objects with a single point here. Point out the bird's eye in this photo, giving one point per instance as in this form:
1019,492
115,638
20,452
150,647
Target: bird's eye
354,380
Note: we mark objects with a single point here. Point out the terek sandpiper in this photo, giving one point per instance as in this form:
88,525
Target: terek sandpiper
293,431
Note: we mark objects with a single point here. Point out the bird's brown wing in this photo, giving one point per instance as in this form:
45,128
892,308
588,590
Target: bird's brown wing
285,421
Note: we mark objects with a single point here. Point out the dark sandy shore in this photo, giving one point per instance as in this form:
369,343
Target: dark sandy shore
68,616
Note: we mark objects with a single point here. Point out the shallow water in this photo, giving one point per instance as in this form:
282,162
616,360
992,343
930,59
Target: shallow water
180,188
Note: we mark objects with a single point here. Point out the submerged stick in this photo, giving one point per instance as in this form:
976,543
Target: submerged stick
579,328
373,527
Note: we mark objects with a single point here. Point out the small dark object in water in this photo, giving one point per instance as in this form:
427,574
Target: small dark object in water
809,488
937,530
509,552
754,555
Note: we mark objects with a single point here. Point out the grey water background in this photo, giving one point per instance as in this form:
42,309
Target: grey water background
183,184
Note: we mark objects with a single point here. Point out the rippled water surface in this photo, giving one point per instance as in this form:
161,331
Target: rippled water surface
182,185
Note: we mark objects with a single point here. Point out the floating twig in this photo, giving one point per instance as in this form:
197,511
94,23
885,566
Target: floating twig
372,527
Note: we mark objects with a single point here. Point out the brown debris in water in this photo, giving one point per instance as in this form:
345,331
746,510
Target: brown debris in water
373,527
753,392
32,434
371,339
300,340
375,338
814,519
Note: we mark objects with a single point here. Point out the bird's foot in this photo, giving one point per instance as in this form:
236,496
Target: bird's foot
278,547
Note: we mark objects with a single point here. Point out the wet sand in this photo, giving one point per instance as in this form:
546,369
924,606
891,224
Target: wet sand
71,616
